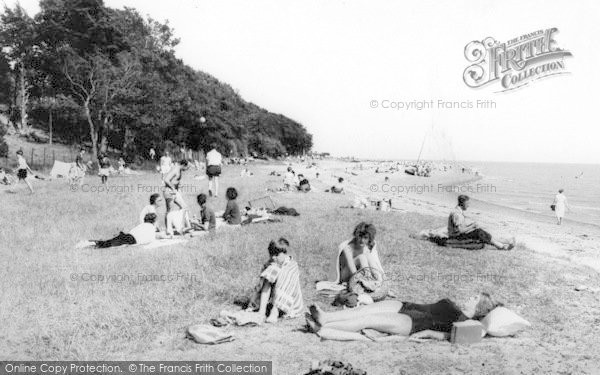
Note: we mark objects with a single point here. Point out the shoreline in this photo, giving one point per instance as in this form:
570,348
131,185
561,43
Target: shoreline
574,241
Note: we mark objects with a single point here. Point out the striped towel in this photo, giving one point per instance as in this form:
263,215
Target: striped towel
287,295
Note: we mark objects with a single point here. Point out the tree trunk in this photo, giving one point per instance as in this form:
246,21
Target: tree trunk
50,125
104,135
93,135
24,98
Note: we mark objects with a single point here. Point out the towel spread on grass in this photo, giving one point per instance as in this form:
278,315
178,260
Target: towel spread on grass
287,294
333,284
152,245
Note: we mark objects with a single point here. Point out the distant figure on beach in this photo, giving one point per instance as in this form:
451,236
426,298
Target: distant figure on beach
22,169
560,205
214,160
462,228
289,179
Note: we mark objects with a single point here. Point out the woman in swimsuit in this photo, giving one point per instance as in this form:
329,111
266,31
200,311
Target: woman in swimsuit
427,321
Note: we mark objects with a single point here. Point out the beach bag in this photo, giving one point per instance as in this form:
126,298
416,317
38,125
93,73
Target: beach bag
358,283
553,207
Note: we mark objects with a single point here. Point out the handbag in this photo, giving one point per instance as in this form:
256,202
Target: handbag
380,290
553,207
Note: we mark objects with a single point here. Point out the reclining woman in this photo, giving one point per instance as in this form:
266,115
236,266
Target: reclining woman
427,321
142,234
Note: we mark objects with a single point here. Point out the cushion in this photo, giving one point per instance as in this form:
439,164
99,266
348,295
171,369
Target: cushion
502,322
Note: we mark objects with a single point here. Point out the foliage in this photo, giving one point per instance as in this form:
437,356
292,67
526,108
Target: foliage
111,78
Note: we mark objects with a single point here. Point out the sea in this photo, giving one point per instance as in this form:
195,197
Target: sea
532,186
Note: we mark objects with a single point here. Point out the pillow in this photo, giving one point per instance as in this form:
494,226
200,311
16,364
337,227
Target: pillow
502,322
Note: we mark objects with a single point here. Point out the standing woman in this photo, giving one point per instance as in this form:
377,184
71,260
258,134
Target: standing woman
22,169
560,205
104,168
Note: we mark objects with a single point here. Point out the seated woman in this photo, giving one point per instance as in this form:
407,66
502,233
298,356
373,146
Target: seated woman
428,321
358,253
339,187
303,184
279,284
142,234
155,201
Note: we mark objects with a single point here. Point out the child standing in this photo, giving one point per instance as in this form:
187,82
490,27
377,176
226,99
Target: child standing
22,170
279,284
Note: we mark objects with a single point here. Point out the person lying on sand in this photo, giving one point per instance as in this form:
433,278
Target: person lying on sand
462,228
142,234
419,321
279,284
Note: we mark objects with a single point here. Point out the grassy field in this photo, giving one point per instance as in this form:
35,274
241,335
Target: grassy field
48,312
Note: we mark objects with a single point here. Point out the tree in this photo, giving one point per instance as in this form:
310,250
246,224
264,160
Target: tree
17,38
98,86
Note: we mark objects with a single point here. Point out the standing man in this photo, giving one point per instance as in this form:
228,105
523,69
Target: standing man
560,205
165,163
172,181
214,160
22,169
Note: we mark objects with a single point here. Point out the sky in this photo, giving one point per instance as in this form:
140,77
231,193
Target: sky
337,66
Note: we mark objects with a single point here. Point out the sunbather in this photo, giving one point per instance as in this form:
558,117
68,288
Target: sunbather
462,228
141,234
155,201
359,252
279,284
419,321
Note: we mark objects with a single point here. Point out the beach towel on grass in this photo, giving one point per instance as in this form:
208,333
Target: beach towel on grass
287,294
333,284
152,245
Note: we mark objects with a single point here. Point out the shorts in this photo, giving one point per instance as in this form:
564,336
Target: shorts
173,196
22,174
213,171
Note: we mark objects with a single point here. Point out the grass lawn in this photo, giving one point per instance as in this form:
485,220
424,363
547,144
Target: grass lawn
48,312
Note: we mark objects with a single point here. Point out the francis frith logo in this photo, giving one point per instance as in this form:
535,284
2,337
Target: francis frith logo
514,63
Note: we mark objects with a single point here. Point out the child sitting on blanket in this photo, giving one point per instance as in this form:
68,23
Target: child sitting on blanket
279,284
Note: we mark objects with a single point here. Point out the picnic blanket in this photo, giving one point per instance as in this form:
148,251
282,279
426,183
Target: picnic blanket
440,237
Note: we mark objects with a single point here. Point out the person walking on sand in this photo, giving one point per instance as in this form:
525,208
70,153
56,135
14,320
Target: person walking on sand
22,169
214,160
560,205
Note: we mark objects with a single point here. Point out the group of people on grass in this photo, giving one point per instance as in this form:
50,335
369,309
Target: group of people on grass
279,289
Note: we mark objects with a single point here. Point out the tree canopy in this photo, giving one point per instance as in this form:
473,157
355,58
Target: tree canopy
111,78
